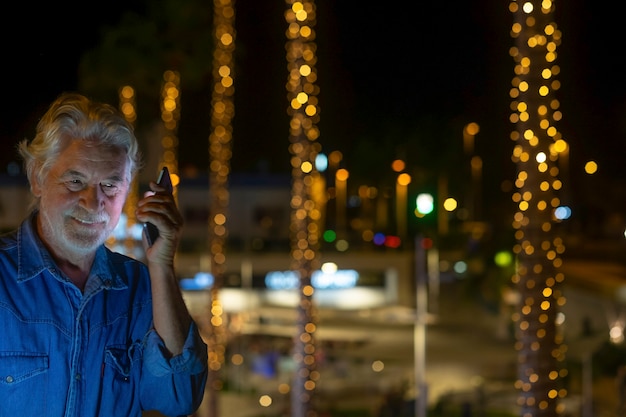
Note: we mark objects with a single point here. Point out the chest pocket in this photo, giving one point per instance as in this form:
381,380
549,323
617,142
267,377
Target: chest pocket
16,367
23,380
119,378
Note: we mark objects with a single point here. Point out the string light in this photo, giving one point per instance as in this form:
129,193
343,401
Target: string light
220,150
537,148
303,110
170,116
128,108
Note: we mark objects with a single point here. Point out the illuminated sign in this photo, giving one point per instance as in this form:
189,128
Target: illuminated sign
288,280
201,281
280,280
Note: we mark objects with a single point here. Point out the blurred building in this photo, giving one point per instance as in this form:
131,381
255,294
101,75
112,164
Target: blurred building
259,244
258,254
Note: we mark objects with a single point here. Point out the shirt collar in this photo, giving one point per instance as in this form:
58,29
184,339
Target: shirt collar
34,258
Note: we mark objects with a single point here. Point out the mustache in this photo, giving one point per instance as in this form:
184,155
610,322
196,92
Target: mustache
85,216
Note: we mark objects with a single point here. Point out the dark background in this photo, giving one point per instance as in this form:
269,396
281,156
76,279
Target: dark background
396,81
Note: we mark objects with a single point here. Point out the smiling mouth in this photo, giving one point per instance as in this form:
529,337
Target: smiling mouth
89,222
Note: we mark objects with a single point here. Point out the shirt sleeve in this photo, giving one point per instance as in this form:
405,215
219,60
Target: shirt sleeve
192,360
173,385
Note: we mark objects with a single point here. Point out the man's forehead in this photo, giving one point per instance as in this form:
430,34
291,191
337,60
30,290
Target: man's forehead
83,157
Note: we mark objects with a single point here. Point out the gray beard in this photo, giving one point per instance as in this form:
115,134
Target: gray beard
68,239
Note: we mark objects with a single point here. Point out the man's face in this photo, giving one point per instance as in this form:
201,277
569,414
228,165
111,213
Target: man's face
82,197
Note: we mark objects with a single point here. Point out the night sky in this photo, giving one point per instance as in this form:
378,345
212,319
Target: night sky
385,71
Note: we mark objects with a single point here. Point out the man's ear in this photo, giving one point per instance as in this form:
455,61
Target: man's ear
35,186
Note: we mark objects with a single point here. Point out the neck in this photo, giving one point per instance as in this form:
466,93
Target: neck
77,274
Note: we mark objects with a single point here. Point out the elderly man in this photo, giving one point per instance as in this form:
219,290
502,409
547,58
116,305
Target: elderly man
86,331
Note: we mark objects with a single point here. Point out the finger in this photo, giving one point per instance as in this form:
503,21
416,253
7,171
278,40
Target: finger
159,188
160,208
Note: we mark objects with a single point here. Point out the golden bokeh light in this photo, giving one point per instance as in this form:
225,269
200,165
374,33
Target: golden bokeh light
591,167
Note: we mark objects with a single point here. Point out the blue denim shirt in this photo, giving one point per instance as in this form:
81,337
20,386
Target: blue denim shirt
67,353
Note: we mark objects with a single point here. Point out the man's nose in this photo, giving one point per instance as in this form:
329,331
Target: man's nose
92,197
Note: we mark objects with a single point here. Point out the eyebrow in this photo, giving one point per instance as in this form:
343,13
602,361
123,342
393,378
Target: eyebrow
72,173
79,174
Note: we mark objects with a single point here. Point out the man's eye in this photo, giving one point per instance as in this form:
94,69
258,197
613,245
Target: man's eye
74,185
109,188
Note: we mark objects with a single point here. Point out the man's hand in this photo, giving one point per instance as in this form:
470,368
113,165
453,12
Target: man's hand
171,318
159,208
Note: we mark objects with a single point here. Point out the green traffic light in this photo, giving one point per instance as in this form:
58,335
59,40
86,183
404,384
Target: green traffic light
329,236
425,204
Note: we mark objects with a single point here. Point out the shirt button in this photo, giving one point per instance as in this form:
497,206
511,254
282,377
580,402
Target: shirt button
77,377
107,283
9,379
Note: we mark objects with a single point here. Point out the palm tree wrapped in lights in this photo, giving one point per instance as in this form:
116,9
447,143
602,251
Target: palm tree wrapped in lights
535,112
303,134
220,149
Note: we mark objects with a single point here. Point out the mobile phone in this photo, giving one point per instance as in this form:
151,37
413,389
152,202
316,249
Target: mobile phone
150,230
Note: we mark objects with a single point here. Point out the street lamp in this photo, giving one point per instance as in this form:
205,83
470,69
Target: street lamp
402,183
419,328
341,187
469,132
